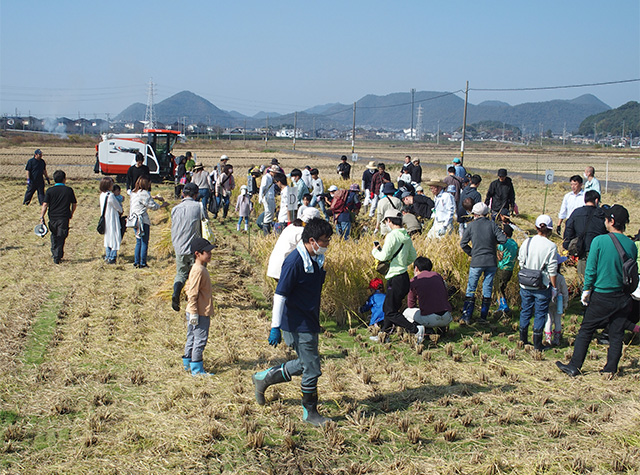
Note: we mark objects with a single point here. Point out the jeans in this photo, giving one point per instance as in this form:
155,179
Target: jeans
246,221
142,244
307,363
320,202
224,200
344,229
110,254
535,303
474,278
204,196
604,309
197,336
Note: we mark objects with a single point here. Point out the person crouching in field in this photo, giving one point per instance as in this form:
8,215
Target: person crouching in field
199,307
375,302
296,311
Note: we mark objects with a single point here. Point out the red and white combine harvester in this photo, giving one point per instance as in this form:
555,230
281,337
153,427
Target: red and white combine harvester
117,152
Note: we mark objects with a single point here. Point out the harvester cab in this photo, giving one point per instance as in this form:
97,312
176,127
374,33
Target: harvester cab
117,152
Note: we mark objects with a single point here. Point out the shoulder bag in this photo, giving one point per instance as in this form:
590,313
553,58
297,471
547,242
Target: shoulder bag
530,277
383,266
102,226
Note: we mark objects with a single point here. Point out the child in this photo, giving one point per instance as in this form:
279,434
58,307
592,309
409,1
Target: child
243,207
199,307
375,301
116,194
557,308
306,199
507,255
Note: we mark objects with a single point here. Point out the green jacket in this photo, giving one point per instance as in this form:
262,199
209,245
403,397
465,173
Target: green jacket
604,266
405,257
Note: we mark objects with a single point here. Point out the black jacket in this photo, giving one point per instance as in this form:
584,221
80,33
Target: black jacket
588,220
502,196
422,206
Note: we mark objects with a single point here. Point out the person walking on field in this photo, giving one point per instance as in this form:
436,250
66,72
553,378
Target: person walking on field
571,201
224,186
60,201
199,307
377,182
367,176
484,236
603,294
112,211
267,197
398,250
538,253
501,196
36,173
296,316
590,180
186,219
344,169
141,201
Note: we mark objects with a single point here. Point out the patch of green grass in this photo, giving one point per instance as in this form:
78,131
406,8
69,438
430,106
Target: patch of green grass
42,330
8,417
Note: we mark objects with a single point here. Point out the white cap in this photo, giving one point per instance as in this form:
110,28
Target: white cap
309,213
544,219
243,190
333,188
224,157
480,209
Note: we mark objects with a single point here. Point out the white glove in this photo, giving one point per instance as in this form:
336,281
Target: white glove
193,319
554,293
586,296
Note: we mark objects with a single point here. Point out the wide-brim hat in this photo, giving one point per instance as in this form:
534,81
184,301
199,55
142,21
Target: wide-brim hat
371,165
388,188
198,166
435,182
41,230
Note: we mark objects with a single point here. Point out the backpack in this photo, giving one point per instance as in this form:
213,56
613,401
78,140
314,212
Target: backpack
339,202
629,268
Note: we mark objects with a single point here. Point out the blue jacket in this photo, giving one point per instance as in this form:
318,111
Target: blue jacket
374,303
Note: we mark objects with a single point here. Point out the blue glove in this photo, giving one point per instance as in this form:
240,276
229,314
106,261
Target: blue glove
275,337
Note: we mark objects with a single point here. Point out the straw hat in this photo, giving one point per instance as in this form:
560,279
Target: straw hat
435,182
371,165
198,166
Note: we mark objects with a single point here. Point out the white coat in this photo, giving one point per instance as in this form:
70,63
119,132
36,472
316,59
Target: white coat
112,234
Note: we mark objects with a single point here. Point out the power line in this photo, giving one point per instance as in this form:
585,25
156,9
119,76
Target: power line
555,87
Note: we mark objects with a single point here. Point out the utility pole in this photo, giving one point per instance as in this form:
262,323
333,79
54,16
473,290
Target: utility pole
266,133
464,124
413,92
564,133
353,130
438,134
314,128
295,126
244,132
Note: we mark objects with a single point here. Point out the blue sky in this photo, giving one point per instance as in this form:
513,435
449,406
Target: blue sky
93,58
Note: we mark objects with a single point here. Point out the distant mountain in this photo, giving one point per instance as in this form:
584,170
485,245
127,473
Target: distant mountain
612,122
324,108
263,115
237,115
392,112
196,109
494,104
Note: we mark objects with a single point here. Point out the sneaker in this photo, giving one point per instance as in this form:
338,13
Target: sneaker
377,338
420,334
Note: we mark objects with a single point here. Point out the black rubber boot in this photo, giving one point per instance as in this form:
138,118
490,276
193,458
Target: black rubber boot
537,341
484,310
266,378
523,335
175,298
310,409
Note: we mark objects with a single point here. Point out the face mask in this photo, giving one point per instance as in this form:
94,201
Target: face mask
585,175
318,250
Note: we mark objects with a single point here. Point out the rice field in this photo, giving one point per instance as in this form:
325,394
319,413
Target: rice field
91,379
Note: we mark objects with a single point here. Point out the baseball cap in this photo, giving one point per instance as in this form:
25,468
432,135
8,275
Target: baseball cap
38,152
199,244
561,259
502,172
405,194
309,213
618,213
190,188
456,160
333,188
480,209
392,213
419,188
223,158
544,219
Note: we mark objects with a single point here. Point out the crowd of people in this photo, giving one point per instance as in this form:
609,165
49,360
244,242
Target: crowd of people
305,216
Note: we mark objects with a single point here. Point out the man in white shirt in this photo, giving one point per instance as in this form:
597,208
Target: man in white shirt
591,182
267,197
572,200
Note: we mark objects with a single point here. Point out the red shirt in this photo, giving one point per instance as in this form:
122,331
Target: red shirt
429,290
